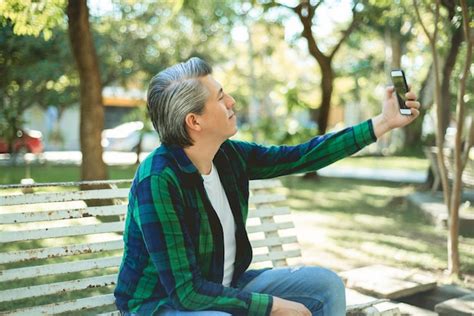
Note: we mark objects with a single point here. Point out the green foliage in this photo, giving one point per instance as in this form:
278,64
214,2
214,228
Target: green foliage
32,17
34,72
137,39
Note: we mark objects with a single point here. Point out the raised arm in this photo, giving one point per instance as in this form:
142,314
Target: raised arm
273,161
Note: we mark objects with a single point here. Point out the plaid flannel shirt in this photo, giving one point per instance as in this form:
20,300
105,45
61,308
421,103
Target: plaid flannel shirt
173,241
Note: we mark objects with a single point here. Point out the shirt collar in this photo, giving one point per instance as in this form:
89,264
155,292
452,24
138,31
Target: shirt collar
183,161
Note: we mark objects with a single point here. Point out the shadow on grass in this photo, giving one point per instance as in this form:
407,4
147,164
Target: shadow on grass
370,222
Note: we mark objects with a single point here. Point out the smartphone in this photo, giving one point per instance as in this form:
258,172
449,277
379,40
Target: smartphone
401,87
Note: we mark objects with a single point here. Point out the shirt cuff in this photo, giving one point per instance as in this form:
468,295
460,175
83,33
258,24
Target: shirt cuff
364,133
260,304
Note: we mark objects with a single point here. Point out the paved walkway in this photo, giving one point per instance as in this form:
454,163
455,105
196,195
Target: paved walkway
392,175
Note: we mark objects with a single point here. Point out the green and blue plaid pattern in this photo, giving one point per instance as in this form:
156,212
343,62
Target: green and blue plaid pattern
173,241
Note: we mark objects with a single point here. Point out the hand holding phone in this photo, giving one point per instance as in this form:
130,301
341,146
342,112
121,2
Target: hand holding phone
401,87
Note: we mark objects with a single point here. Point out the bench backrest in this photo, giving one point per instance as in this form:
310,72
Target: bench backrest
431,154
59,254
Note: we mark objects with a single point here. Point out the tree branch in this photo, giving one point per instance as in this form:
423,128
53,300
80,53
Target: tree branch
274,3
435,32
415,4
306,20
345,34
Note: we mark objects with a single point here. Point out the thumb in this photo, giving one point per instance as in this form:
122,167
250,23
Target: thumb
389,91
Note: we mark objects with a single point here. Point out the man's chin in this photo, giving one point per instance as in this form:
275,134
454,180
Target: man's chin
233,133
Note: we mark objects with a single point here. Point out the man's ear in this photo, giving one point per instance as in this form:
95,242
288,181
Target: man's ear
192,122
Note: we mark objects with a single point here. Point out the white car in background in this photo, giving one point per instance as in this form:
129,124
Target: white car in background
126,137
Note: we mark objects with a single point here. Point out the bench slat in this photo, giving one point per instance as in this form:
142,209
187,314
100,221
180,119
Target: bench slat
58,211
265,184
276,255
109,210
70,250
69,306
114,313
53,288
266,198
269,227
55,232
274,241
33,198
66,184
59,268
269,211
28,217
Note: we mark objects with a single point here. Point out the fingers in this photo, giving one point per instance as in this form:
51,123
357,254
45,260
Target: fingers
411,101
389,91
414,113
410,96
413,104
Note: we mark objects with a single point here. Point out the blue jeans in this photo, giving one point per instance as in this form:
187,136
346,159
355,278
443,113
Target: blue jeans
319,289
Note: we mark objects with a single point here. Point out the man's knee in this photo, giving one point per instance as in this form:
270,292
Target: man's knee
326,280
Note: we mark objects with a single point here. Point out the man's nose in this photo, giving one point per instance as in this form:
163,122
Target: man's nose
230,102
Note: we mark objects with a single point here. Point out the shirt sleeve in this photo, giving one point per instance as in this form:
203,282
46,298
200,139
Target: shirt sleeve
264,162
161,220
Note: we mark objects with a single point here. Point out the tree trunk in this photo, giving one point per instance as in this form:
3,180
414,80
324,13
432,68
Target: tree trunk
454,264
92,112
414,130
396,45
305,12
449,63
327,87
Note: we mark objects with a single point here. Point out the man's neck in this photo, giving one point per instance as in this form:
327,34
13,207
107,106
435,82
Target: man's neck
201,155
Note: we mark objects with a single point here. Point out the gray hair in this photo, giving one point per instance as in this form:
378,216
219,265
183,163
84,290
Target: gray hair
174,93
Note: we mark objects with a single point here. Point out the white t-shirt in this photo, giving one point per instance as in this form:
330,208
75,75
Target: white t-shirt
215,192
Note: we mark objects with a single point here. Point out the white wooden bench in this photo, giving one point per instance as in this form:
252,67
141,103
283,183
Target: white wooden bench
431,153
59,255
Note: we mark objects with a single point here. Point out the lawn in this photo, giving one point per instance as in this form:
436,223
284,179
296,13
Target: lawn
343,224
58,173
53,173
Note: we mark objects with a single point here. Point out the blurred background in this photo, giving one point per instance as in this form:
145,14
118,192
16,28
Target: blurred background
295,70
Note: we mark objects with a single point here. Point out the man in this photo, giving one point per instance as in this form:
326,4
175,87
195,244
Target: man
186,248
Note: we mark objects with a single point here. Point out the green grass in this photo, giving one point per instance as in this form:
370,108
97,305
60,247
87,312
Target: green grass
58,173
350,223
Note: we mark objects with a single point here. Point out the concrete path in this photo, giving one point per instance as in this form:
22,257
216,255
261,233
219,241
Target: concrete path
392,175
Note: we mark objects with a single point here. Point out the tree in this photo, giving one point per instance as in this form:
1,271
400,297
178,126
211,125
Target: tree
39,18
306,13
92,111
451,194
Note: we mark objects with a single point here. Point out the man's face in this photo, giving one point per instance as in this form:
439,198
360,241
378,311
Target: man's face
218,119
